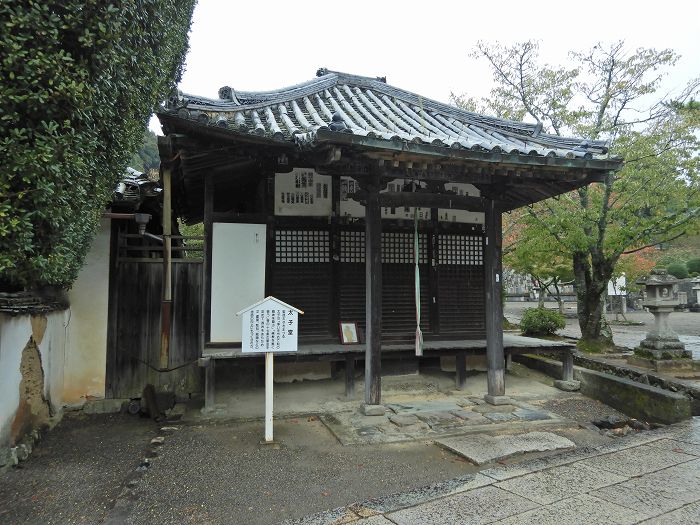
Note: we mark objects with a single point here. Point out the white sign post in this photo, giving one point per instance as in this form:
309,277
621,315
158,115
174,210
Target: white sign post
269,326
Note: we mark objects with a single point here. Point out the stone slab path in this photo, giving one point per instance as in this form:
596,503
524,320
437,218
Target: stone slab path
482,449
431,419
650,478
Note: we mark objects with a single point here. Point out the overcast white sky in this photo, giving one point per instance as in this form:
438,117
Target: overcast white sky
419,46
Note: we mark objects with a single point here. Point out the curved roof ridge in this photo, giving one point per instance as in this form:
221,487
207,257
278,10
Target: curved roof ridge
419,117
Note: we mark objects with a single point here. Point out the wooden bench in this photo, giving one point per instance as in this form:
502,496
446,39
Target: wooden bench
350,354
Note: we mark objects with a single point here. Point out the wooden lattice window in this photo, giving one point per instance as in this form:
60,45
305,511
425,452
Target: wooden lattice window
352,246
465,250
397,248
301,246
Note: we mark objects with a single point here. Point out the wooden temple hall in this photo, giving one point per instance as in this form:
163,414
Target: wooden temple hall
359,202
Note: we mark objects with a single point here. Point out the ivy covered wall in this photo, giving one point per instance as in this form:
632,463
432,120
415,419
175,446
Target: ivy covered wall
79,81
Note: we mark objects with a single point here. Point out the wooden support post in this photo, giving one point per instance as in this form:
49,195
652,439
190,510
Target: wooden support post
269,395
349,377
210,385
567,382
461,370
494,308
373,306
205,315
166,304
509,361
567,369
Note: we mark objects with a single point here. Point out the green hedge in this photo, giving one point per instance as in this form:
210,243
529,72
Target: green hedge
541,321
678,270
79,81
693,265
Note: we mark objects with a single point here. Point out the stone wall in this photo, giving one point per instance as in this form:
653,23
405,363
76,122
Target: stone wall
32,357
53,355
638,400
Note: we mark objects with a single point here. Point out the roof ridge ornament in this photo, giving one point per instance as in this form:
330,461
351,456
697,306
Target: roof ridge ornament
323,71
337,123
538,129
228,93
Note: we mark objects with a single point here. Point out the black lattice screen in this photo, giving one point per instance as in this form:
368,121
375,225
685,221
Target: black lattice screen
301,246
397,247
463,250
352,246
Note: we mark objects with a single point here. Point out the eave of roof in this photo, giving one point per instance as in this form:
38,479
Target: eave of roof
342,108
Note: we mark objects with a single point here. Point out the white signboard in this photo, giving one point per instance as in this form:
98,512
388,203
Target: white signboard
269,325
618,286
241,247
303,192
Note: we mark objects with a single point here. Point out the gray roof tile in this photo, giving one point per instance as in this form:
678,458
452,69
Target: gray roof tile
370,107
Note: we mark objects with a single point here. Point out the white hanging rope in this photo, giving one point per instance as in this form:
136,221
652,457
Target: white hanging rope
416,258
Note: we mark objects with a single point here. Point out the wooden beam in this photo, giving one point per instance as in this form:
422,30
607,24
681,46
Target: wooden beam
373,306
494,307
421,199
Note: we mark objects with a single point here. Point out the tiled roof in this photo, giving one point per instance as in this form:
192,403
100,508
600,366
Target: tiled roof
369,107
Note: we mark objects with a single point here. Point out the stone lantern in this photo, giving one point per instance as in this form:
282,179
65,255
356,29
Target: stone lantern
661,296
695,294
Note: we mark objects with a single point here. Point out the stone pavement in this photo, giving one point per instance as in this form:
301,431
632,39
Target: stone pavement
651,478
421,419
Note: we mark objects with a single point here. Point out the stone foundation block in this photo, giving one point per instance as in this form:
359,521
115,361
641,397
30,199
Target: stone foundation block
567,386
497,400
373,410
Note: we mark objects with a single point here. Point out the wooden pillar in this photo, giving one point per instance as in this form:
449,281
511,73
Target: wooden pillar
494,307
210,384
373,305
167,299
205,329
460,370
349,377
205,299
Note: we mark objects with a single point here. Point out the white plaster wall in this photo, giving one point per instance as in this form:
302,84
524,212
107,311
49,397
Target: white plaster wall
86,352
15,332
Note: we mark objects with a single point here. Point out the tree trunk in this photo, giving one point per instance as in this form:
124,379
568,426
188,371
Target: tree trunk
591,284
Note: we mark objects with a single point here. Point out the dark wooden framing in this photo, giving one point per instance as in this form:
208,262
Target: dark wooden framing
505,181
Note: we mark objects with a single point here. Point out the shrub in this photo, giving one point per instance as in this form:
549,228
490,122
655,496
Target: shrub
678,270
79,81
693,265
541,321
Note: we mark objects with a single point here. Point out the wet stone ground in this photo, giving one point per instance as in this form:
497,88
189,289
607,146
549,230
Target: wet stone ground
431,419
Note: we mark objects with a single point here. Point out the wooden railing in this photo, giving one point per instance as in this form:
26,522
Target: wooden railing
149,248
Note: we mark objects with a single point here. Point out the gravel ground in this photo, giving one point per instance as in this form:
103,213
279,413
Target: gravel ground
75,474
219,473
581,409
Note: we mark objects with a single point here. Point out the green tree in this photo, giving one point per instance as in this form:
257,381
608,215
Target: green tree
79,80
611,93
146,157
532,255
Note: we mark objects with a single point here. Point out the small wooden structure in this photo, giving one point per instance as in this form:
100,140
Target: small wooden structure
315,194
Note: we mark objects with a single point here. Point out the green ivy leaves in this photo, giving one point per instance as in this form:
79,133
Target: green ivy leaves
80,79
